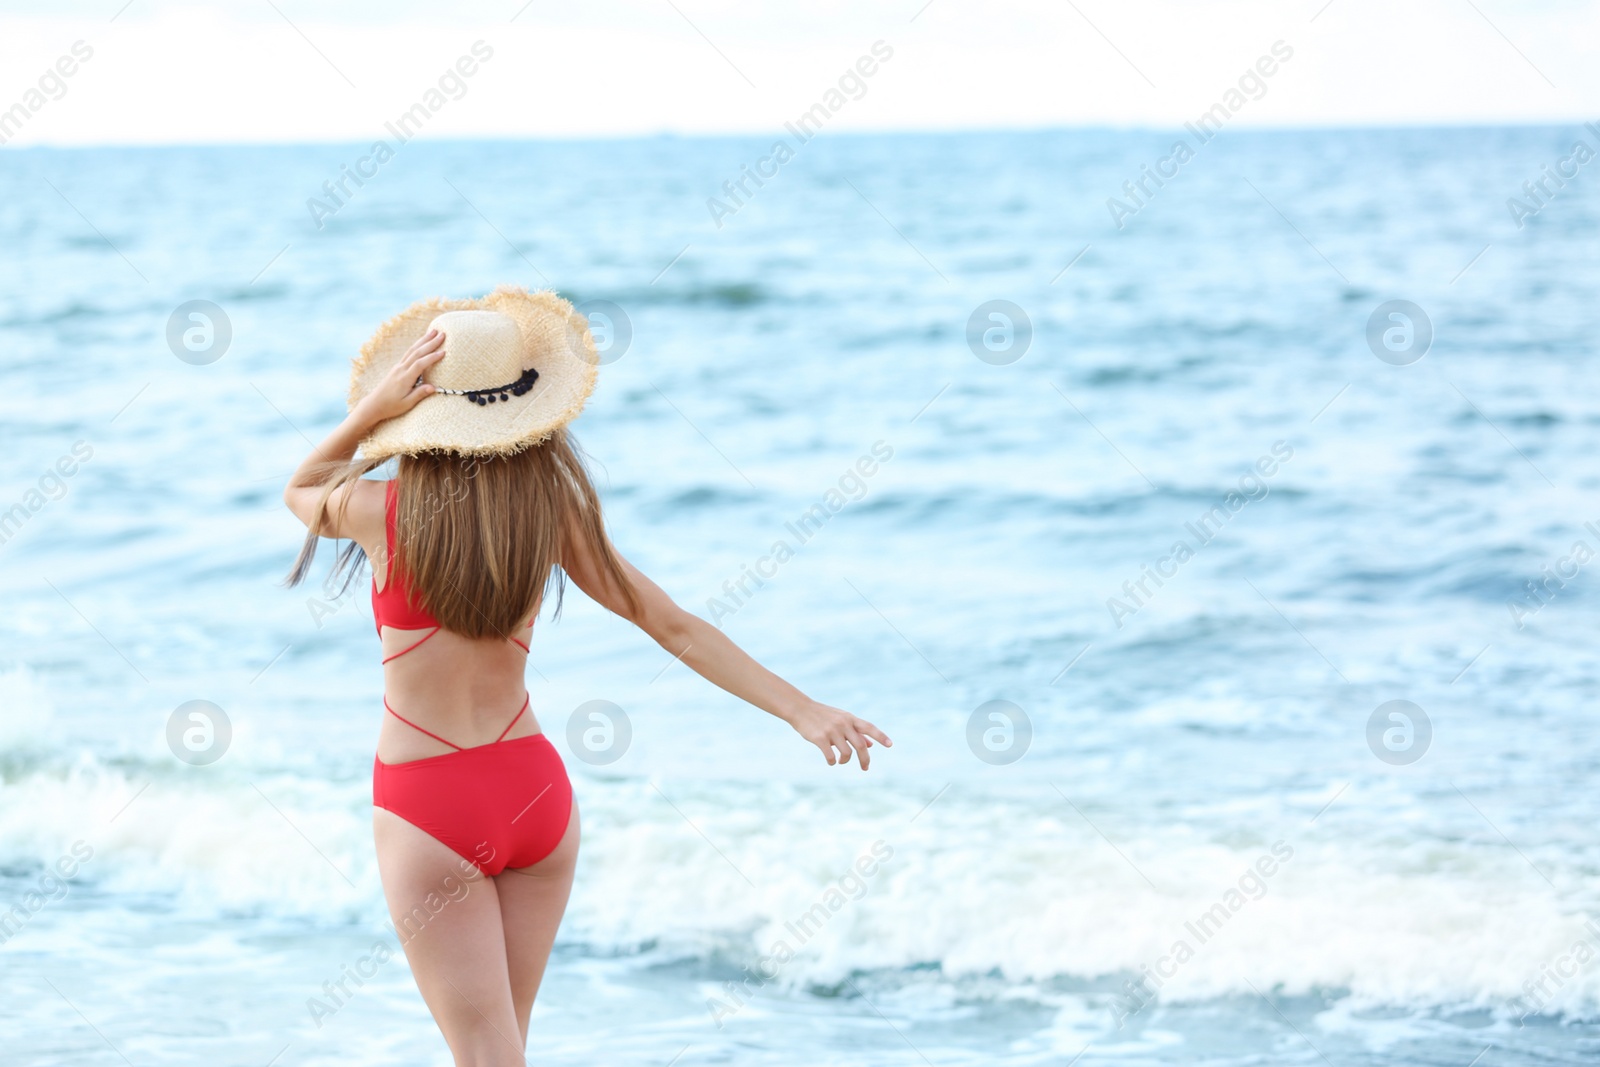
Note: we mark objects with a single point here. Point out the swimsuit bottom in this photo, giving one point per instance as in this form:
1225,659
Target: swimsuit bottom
504,804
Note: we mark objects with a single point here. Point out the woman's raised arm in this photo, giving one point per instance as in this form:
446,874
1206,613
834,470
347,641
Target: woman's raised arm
397,394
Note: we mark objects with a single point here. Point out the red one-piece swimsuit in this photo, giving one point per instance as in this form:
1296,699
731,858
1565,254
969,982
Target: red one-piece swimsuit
504,804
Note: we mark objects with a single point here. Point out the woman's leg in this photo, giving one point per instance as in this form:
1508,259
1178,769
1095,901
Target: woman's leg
532,900
450,926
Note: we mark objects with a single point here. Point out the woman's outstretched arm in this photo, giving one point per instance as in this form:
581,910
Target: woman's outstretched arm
711,654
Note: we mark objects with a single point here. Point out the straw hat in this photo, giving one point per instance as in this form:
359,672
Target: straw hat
517,367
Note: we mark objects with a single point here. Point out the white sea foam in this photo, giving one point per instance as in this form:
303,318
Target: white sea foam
975,884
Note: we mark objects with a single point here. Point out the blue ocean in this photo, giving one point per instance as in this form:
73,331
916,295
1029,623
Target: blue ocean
1219,552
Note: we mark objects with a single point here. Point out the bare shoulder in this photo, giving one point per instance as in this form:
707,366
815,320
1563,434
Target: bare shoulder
355,509
365,509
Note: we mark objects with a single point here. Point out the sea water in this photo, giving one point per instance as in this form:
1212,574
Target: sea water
1193,830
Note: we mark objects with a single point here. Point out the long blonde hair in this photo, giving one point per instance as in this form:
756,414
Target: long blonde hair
480,540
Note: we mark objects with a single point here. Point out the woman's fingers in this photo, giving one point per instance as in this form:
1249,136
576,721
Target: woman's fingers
426,360
861,744
872,731
428,342
410,373
416,346
843,737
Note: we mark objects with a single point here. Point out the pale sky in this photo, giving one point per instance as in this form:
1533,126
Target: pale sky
164,71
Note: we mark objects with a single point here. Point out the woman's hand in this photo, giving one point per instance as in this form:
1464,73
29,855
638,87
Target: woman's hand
837,733
402,387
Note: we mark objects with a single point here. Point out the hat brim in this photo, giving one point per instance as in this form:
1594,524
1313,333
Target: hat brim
556,342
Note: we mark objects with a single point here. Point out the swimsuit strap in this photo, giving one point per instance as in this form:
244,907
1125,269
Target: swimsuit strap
513,722
409,647
414,726
520,712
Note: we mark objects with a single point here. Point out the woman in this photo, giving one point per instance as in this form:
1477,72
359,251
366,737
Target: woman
491,505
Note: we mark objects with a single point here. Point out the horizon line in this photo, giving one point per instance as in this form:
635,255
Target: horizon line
1364,126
